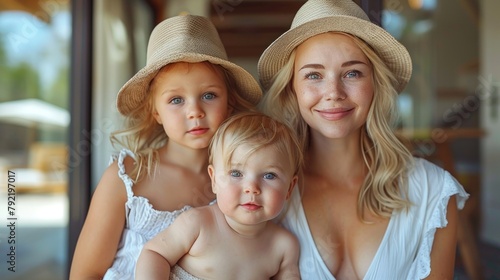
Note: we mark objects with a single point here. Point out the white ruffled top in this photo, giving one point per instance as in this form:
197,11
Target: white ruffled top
404,252
143,222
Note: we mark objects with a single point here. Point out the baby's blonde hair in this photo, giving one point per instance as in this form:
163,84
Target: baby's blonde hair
255,130
144,136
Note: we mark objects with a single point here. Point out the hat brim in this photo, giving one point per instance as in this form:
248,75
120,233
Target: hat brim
135,90
393,53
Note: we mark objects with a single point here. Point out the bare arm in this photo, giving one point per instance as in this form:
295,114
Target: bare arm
289,268
151,265
444,246
170,245
100,235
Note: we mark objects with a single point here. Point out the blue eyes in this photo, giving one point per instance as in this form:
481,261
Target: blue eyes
316,75
176,100
206,96
353,74
312,76
209,96
267,176
235,173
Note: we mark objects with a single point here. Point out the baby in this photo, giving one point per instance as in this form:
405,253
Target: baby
254,163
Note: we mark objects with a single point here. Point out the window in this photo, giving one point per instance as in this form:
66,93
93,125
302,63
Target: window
34,120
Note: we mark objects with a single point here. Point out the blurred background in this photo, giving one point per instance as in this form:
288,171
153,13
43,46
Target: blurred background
62,63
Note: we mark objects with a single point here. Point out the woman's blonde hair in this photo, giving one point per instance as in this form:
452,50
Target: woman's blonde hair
255,130
144,136
387,159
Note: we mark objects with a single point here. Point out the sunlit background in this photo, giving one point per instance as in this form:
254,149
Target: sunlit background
456,67
34,119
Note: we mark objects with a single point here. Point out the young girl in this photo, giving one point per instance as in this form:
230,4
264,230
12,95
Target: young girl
254,162
173,106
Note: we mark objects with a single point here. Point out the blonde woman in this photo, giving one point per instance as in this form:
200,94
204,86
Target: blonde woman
365,209
173,107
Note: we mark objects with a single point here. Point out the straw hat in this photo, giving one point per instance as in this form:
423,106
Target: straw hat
320,16
186,38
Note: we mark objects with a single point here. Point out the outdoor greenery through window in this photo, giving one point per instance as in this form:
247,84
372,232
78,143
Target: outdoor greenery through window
34,120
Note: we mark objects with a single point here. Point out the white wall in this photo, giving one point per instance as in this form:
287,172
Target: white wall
113,66
490,77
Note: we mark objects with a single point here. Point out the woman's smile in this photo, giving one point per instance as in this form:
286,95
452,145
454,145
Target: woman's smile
335,114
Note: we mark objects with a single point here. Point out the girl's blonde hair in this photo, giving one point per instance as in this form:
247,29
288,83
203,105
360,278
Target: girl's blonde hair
144,136
256,131
387,159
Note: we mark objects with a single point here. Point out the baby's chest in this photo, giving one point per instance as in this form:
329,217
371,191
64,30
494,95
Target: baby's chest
223,257
232,264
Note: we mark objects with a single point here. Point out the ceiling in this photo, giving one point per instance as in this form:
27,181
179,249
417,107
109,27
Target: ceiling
248,29
40,9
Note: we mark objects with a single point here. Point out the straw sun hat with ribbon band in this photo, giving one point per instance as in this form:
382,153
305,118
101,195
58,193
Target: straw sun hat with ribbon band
320,16
185,38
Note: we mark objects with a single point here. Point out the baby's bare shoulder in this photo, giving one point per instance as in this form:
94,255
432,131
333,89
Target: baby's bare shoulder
198,214
282,237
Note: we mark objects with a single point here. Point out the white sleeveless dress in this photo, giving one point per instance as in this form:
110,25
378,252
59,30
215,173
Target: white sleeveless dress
143,222
404,252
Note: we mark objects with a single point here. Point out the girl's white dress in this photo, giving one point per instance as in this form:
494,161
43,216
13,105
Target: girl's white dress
142,223
404,252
